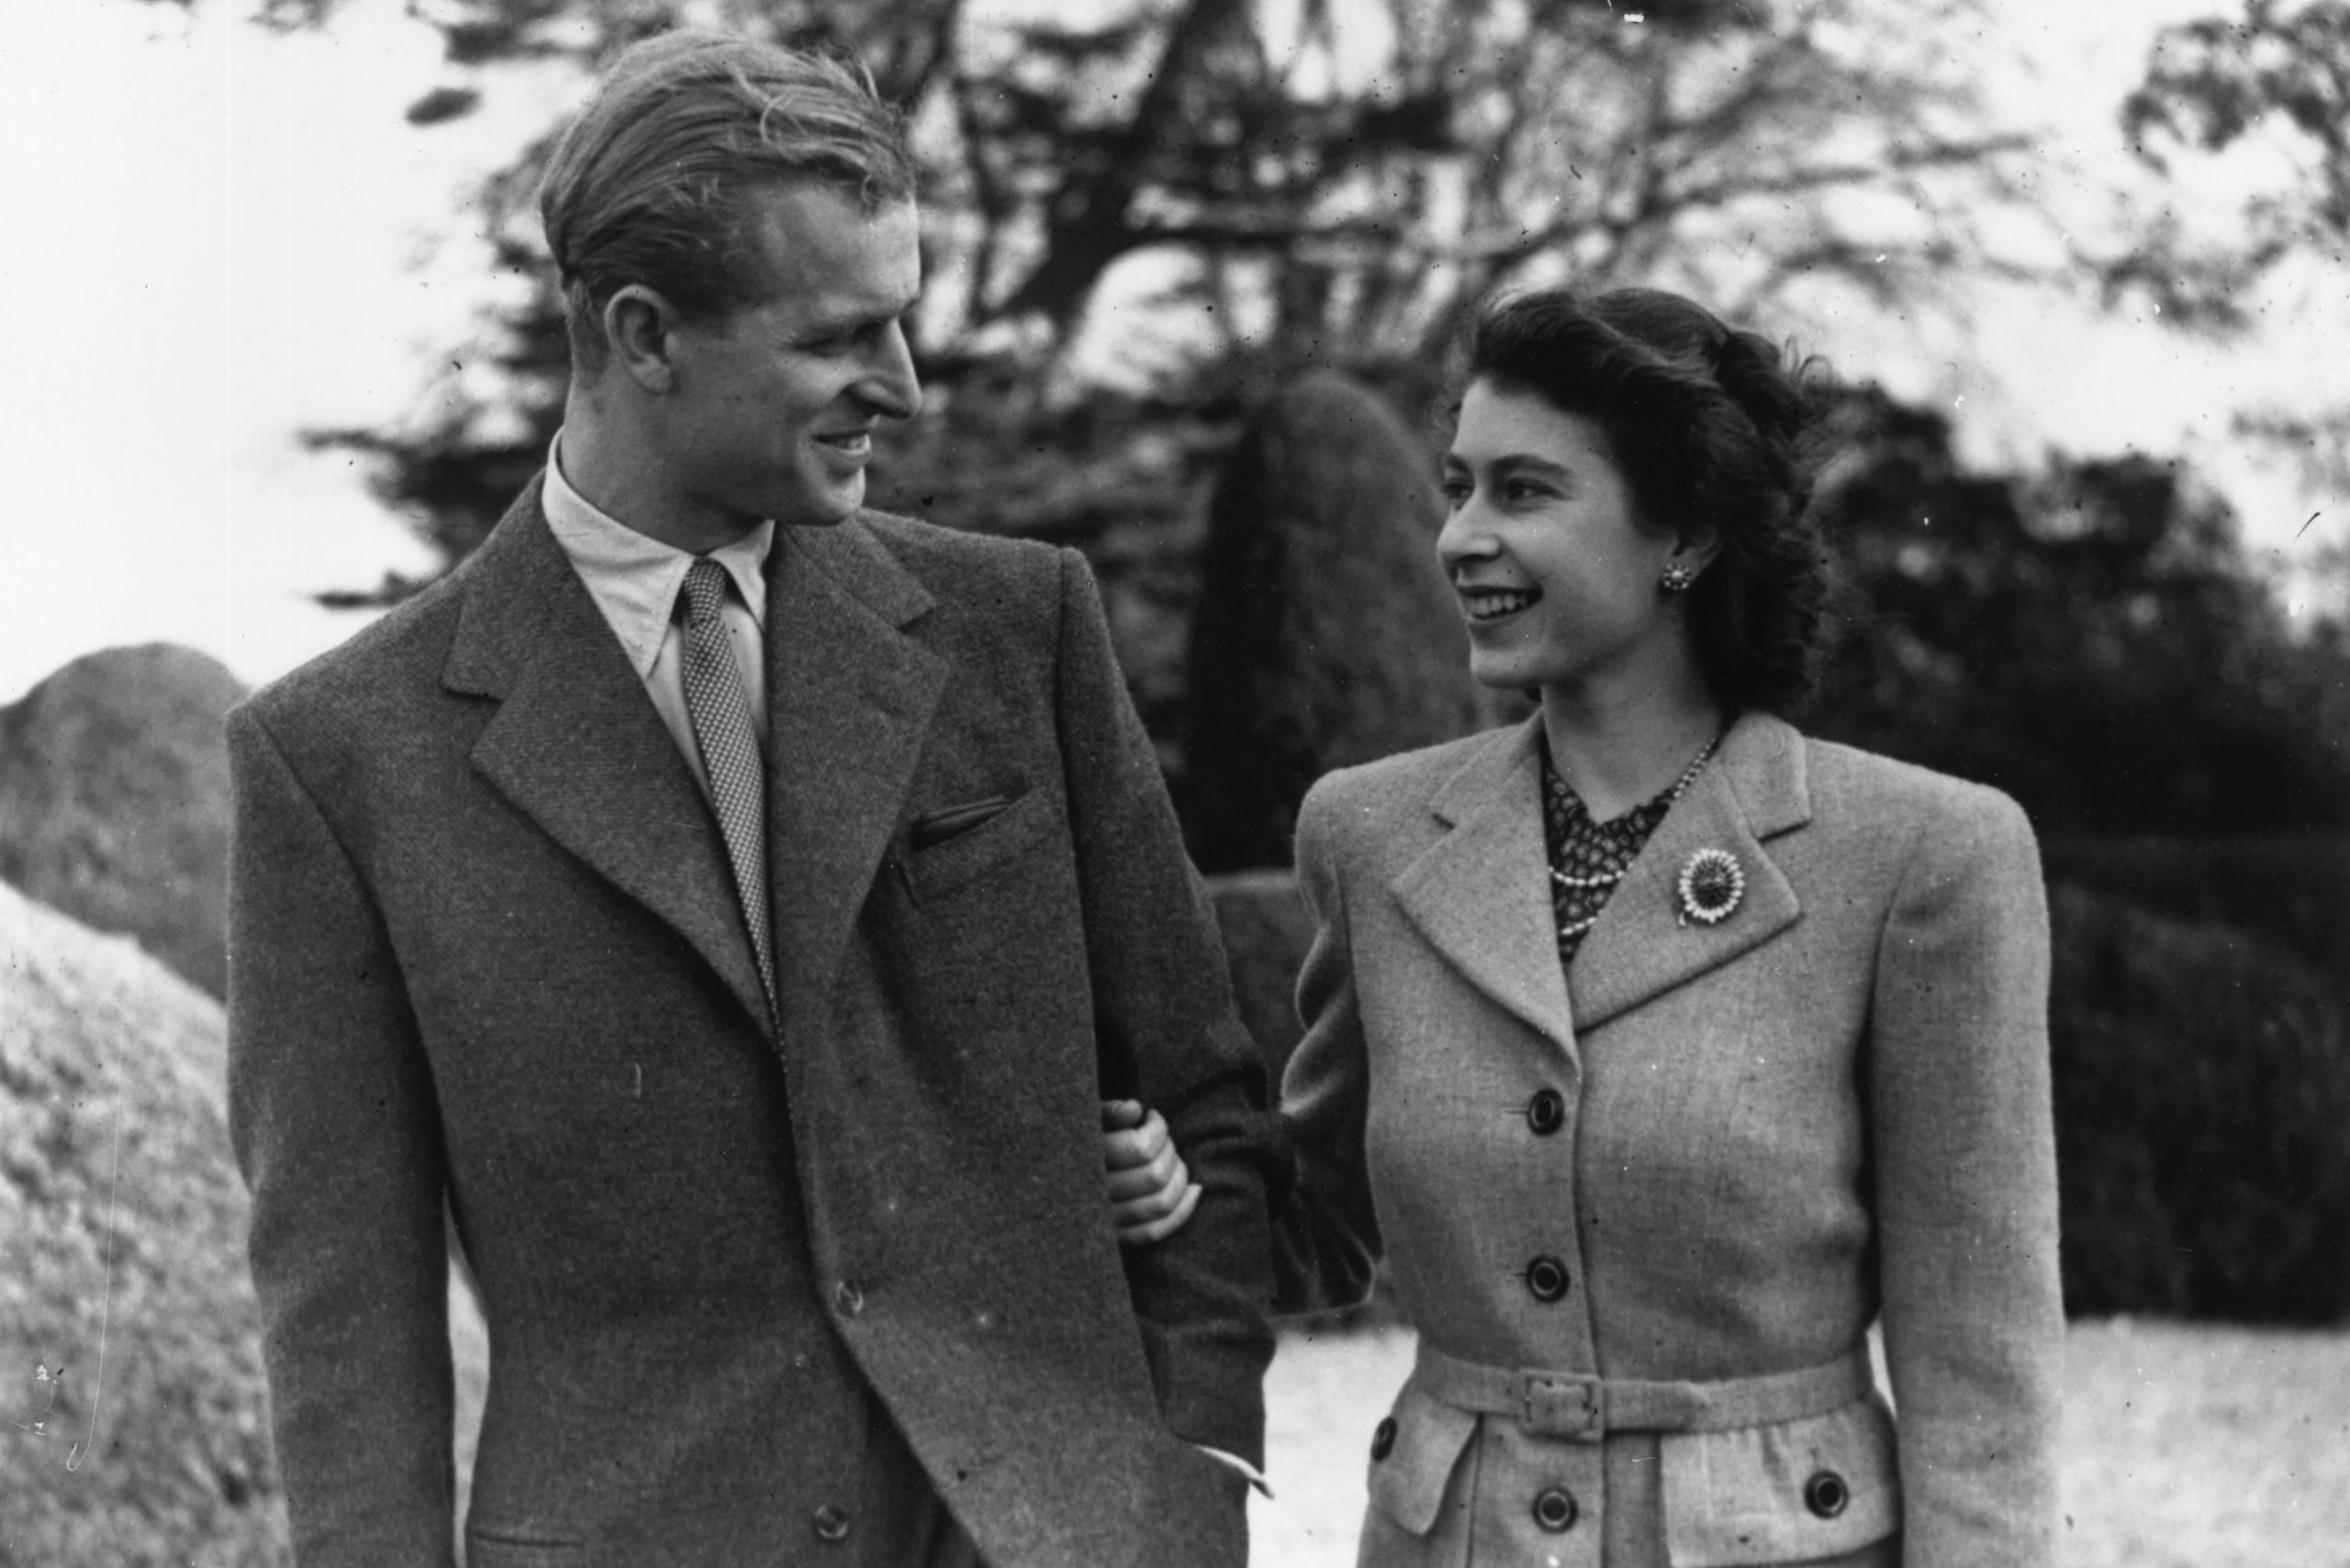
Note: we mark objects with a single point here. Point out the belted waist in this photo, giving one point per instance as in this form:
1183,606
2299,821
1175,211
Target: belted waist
1581,1407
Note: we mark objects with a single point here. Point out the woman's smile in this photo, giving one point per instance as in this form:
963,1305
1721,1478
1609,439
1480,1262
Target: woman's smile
1490,606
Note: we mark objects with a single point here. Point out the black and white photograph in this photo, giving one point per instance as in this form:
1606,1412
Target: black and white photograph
1175,784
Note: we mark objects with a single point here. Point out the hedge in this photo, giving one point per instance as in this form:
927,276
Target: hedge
2202,1091
2289,889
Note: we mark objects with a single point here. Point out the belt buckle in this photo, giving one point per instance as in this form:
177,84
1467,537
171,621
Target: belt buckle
1563,1404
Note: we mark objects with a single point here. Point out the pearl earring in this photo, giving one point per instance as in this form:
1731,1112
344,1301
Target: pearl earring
1676,578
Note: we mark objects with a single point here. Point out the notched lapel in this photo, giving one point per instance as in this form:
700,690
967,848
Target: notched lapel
1481,894
577,745
850,698
1640,947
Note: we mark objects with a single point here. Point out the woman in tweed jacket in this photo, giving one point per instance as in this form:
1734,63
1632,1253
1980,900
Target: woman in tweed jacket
1662,1049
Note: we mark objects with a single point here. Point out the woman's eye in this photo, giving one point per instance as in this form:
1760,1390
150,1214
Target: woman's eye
1521,490
1455,492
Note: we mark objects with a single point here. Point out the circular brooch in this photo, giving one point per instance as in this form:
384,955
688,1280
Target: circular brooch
1711,883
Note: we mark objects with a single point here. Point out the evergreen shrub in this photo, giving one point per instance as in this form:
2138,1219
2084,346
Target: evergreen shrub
1266,933
114,801
131,1373
2202,1099
2290,890
1326,634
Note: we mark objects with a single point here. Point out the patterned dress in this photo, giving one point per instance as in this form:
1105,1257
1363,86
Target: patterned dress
1588,857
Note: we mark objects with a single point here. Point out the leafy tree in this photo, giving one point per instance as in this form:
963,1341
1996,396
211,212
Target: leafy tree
2091,638
2279,72
1340,186
2274,78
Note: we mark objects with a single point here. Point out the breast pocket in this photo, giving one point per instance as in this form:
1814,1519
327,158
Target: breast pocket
1785,1492
489,1547
956,844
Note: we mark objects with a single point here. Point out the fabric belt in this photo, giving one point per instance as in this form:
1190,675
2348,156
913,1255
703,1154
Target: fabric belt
1580,1407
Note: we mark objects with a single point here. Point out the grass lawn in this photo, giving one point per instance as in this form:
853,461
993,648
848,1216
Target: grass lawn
2185,1446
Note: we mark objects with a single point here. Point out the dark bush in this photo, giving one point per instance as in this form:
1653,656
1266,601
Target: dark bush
1266,934
1325,633
2290,890
2094,637
2202,1090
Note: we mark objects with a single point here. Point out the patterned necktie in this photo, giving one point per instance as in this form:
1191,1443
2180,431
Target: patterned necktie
730,752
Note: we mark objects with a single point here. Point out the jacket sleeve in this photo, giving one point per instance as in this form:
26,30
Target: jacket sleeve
1967,1191
1167,1035
1327,1236
333,1118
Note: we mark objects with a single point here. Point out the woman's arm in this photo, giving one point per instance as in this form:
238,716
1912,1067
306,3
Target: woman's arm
1151,1190
1325,1237
1965,1178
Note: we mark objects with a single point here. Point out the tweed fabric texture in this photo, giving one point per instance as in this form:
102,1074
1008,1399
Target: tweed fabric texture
1830,1109
486,951
729,753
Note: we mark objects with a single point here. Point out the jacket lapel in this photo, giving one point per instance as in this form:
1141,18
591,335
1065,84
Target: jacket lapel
577,748
1481,894
850,698
1754,791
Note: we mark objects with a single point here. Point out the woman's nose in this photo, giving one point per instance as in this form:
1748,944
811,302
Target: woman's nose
1464,536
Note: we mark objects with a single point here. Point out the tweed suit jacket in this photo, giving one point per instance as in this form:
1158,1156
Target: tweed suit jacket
1829,1107
485,949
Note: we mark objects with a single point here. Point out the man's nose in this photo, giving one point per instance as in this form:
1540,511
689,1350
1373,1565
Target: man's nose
889,382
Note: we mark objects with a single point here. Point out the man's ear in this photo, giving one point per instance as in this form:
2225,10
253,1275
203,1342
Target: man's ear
638,324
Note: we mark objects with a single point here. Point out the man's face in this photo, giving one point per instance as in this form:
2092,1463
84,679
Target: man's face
774,406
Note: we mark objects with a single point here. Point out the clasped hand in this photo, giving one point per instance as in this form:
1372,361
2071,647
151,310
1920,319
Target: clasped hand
1151,1190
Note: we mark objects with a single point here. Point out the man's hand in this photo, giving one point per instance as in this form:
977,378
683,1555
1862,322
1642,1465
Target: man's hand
1151,1190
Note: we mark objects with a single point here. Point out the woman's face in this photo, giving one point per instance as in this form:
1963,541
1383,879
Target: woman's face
1554,567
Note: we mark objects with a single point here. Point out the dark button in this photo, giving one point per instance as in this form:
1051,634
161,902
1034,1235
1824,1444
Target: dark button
1555,1510
848,1298
832,1523
1546,1112
1546,1278
1825,1494
1382,1440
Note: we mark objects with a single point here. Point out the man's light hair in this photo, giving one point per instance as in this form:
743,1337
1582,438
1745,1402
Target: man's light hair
647,185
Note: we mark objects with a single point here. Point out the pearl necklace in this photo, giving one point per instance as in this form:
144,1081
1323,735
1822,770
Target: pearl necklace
1609,878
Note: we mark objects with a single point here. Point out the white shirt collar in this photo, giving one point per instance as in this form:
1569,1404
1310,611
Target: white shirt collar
633,578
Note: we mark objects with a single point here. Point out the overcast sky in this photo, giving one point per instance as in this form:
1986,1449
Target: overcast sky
219,237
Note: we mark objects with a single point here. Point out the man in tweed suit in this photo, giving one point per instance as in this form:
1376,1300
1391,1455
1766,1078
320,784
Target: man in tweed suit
730,906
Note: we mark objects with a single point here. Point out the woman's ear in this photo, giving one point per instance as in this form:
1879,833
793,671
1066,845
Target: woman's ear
1696,549
638,326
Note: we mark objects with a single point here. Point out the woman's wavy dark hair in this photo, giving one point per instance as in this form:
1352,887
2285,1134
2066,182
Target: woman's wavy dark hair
1710,426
